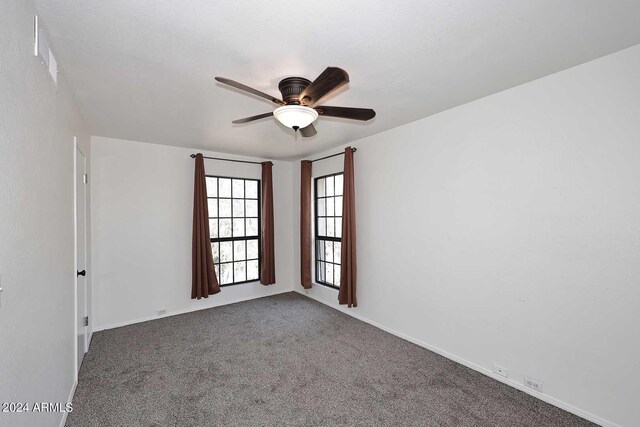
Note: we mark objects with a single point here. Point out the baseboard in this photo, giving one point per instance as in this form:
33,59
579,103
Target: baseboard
510,382
176,313
63,421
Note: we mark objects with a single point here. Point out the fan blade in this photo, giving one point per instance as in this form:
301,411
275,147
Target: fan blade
308,131
330,79
256,92
252,118
363,114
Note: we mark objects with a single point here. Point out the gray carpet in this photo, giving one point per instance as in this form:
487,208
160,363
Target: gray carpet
286,360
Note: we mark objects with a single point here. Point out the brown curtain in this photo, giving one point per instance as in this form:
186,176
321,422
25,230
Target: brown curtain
203,274
347,293
267,262
305,224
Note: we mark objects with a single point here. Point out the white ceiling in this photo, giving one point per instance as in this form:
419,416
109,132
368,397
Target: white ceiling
143,69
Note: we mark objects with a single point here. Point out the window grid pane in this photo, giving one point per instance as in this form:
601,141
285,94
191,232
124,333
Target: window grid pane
328,229
234,212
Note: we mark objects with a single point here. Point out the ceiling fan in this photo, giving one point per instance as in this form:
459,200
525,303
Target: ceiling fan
298,111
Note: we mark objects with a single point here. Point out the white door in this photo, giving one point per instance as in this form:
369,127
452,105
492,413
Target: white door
81,256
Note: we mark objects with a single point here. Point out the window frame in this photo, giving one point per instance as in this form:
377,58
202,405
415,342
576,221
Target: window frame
235,239
317,237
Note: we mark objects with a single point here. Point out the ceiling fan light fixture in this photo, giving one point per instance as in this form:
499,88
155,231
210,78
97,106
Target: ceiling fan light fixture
295,116
298,90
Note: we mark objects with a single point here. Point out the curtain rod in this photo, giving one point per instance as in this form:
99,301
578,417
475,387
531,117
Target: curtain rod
354,149
193,156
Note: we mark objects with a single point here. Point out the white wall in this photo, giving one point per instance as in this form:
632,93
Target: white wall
142,213
37,126
507,231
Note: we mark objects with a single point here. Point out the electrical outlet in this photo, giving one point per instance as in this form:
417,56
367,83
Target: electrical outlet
161,312
533,384
503,372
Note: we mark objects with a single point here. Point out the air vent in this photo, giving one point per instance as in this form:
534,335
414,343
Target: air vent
42,50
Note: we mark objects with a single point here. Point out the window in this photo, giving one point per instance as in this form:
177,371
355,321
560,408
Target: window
328,222
234,224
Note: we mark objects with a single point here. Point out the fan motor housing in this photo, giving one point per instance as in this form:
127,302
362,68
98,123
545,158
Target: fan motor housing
291,88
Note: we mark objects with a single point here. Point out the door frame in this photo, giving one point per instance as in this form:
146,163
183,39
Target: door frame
77,149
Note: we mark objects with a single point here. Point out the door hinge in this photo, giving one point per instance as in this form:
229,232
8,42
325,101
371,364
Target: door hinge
85,178
86,321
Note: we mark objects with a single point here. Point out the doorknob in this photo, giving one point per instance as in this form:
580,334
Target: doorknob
81,273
